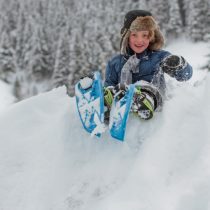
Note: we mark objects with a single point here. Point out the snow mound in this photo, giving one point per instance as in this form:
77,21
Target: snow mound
49,162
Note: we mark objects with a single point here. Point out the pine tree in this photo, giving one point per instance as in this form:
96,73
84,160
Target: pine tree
197,21
174,25
182,9
46,43
62,69
41,65
160,10
207,28
7,66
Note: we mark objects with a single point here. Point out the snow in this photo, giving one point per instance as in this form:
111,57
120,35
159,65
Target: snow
86,82
48,161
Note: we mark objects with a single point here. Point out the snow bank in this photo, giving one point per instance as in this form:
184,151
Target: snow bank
48,161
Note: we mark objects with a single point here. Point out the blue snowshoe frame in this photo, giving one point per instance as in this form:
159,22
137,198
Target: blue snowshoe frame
118,122
85,97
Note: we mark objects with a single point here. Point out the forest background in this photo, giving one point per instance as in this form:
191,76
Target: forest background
48,43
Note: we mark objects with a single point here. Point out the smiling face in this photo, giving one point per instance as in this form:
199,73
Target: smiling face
139,41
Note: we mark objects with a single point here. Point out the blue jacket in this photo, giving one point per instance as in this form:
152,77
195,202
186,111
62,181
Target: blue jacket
149,69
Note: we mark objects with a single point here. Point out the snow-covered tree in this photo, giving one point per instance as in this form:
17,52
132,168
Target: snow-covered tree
197,20
7,66
160,10
62,68
174,27
46,43
182,9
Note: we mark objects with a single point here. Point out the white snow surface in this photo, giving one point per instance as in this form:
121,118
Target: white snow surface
49,162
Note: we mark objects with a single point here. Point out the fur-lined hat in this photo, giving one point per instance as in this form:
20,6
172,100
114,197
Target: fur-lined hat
139,20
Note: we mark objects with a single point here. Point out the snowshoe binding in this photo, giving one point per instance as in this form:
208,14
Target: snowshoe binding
109,93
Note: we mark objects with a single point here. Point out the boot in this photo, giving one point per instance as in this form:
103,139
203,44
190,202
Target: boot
143,104
109,93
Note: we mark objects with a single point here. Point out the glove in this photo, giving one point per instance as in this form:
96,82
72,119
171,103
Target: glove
172,64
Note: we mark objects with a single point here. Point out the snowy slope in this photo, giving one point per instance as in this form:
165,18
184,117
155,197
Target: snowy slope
48,162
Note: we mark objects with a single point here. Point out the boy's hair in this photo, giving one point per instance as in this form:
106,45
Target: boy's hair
140,20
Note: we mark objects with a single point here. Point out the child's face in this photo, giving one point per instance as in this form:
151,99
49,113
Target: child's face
139,41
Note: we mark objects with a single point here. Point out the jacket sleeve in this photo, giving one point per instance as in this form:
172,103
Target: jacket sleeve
111,75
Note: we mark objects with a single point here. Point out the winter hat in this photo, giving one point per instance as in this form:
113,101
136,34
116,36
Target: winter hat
131,16
138,20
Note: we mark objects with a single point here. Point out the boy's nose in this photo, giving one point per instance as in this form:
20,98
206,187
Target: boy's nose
140,41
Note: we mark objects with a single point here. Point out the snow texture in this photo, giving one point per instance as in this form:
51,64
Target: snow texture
86,82
49,162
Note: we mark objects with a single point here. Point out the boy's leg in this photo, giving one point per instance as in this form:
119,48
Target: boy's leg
108,99
146,100
109,93
143,104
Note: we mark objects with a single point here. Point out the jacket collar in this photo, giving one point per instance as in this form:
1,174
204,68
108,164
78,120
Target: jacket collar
142,56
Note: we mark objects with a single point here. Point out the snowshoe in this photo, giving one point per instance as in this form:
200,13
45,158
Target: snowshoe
90,103
120,110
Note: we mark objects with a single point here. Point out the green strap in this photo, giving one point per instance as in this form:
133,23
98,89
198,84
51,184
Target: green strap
145,101
148,105
108,98
138,89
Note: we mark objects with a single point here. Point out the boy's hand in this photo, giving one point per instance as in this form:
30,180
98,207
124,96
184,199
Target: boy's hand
173,63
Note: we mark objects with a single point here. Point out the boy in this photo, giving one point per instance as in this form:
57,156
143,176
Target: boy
142,62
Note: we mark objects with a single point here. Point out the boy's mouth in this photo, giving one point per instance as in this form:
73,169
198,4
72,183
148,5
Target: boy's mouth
139,46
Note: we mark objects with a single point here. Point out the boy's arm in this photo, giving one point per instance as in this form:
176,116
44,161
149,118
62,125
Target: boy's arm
177,67
111,77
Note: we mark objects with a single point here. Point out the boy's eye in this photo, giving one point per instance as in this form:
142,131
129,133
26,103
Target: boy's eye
134,35
145,35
